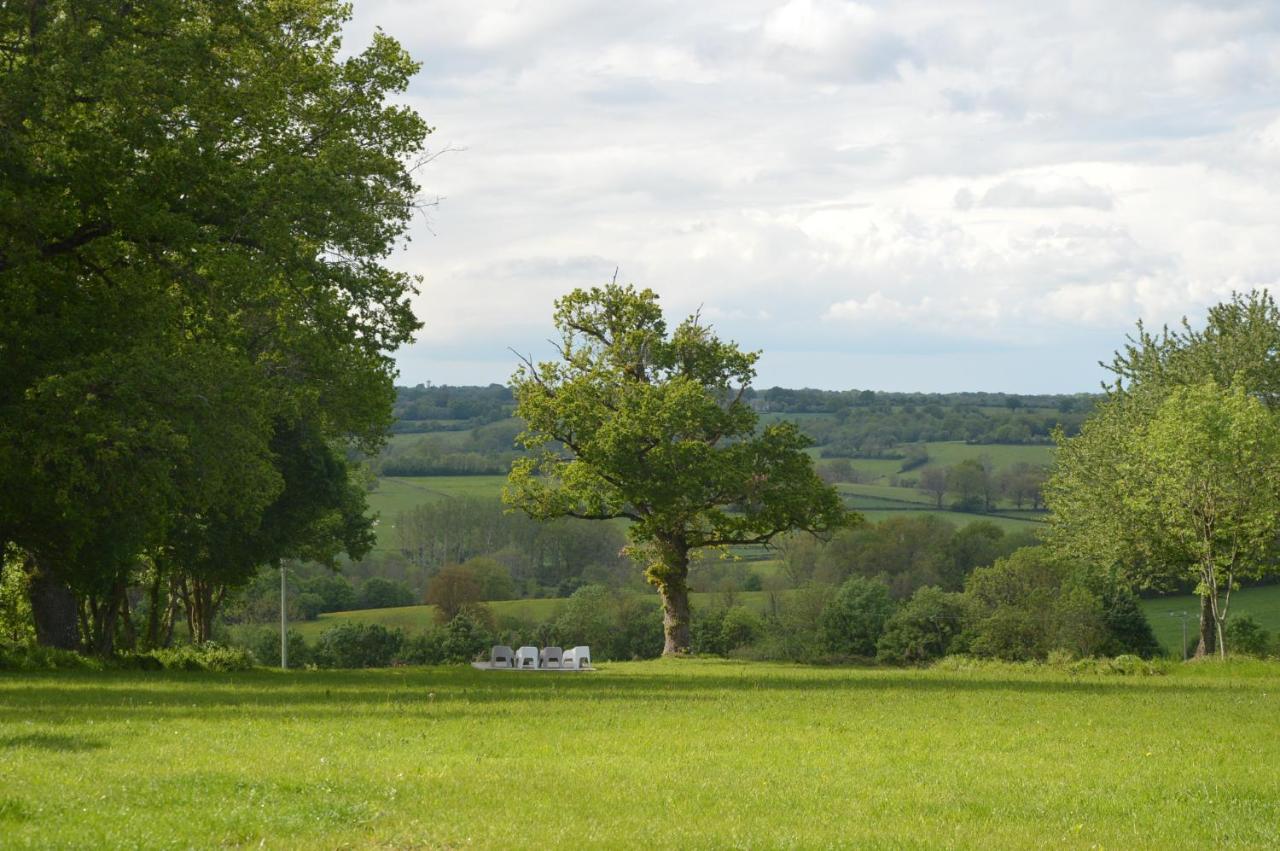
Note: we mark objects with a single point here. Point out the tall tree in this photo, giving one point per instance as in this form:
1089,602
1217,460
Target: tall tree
1182,404
196,202
634,422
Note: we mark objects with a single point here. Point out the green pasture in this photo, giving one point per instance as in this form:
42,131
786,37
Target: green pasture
665,754
537,610
396,494
1002,455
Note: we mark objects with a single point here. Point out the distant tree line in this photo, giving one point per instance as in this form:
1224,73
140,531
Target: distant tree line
443,408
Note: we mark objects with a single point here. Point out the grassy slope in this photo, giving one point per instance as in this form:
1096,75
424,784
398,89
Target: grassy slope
681,754
416,618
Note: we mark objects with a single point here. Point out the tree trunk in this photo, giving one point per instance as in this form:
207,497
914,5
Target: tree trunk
53,608
1208,630
671,574
675,618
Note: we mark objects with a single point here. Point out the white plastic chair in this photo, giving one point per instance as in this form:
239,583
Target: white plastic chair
577,658
527,657
501,656
550,657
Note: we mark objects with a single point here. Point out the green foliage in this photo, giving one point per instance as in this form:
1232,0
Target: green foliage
465,638
924,628
638,423
197,203
379,593
1176,478
33,657
357,645
209,656
741,627
16,625
854,620
1246,637
1034,602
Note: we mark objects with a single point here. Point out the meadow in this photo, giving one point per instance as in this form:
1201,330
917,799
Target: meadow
675,753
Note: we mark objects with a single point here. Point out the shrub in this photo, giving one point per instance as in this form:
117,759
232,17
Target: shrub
465,638
424,648
264,641
310,605
853,621
1244,636
588,618
706,632
925,628
379,593
358,645
740,627
638,634
204,657
33,657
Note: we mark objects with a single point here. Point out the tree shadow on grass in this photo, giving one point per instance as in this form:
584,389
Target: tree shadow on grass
56,742
444,692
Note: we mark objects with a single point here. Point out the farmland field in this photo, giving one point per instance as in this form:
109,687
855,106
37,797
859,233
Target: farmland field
671,754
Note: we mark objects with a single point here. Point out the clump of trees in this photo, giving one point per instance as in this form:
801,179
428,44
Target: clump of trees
1024,607
196,205
1176,479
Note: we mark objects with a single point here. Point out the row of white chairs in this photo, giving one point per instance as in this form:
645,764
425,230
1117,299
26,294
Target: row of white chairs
531,658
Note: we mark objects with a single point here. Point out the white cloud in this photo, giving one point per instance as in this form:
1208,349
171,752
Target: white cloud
827,177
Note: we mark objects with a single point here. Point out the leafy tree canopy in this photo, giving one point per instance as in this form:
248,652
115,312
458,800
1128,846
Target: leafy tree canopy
635,422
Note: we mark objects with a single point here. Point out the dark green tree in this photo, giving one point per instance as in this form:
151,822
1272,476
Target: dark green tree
196,202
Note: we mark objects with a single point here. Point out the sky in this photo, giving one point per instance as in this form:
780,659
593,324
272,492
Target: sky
915,196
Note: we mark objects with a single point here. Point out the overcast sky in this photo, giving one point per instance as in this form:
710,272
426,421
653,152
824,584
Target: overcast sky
926,196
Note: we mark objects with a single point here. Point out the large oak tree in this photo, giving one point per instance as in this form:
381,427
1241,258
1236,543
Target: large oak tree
636,423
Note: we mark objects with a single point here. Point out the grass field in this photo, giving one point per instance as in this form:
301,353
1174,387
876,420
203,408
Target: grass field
417,618
668,754
396,494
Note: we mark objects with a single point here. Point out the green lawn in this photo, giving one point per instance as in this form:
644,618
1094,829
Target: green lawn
668,754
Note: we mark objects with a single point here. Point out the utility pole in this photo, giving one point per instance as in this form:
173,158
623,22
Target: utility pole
284,623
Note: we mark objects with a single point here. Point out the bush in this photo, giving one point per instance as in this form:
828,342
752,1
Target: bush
925,628
33,657
740,627
358,645
853,621
309,605
424,648
264,642
638,634
706,632
205,657
379,593
465,638
1244,636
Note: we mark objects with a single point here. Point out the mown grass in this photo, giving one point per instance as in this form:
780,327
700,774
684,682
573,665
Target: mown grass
669,754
